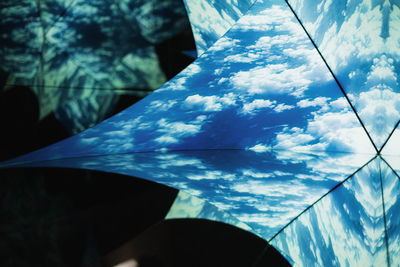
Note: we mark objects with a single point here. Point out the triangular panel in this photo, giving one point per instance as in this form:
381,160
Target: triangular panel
345,228
359,41
391,151
391,190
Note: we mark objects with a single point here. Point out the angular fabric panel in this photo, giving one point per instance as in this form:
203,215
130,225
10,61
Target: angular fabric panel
391,192
212,19
259,87
391,151
264,190
392,146
393,162
360,42
345,228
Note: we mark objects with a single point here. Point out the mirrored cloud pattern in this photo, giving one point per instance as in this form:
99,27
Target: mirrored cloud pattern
258,130
345,228
361,45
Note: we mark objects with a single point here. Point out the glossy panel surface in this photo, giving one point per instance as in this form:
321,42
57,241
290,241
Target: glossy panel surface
345,228
261,86
360,42
264,190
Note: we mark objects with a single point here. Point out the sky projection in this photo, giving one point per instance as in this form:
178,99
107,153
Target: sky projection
259,128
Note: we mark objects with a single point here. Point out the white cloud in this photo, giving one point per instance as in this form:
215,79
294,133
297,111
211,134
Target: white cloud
282,107
254,22
379,109
209,103
158,105
224,43
382,70
319,101
166,139
264,20
340,103
329,129
273,78
259,148
257,104
243,58
179,82
358,36
293,138
254,174
211,175
288,41
173,131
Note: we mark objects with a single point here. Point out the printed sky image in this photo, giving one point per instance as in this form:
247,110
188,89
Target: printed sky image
286,125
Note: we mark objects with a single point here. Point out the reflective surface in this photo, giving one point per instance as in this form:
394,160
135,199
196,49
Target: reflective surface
345,228
264,190
222,100
360,42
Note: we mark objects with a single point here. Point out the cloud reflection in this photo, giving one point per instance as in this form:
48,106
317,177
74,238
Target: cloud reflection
345,228
361,46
